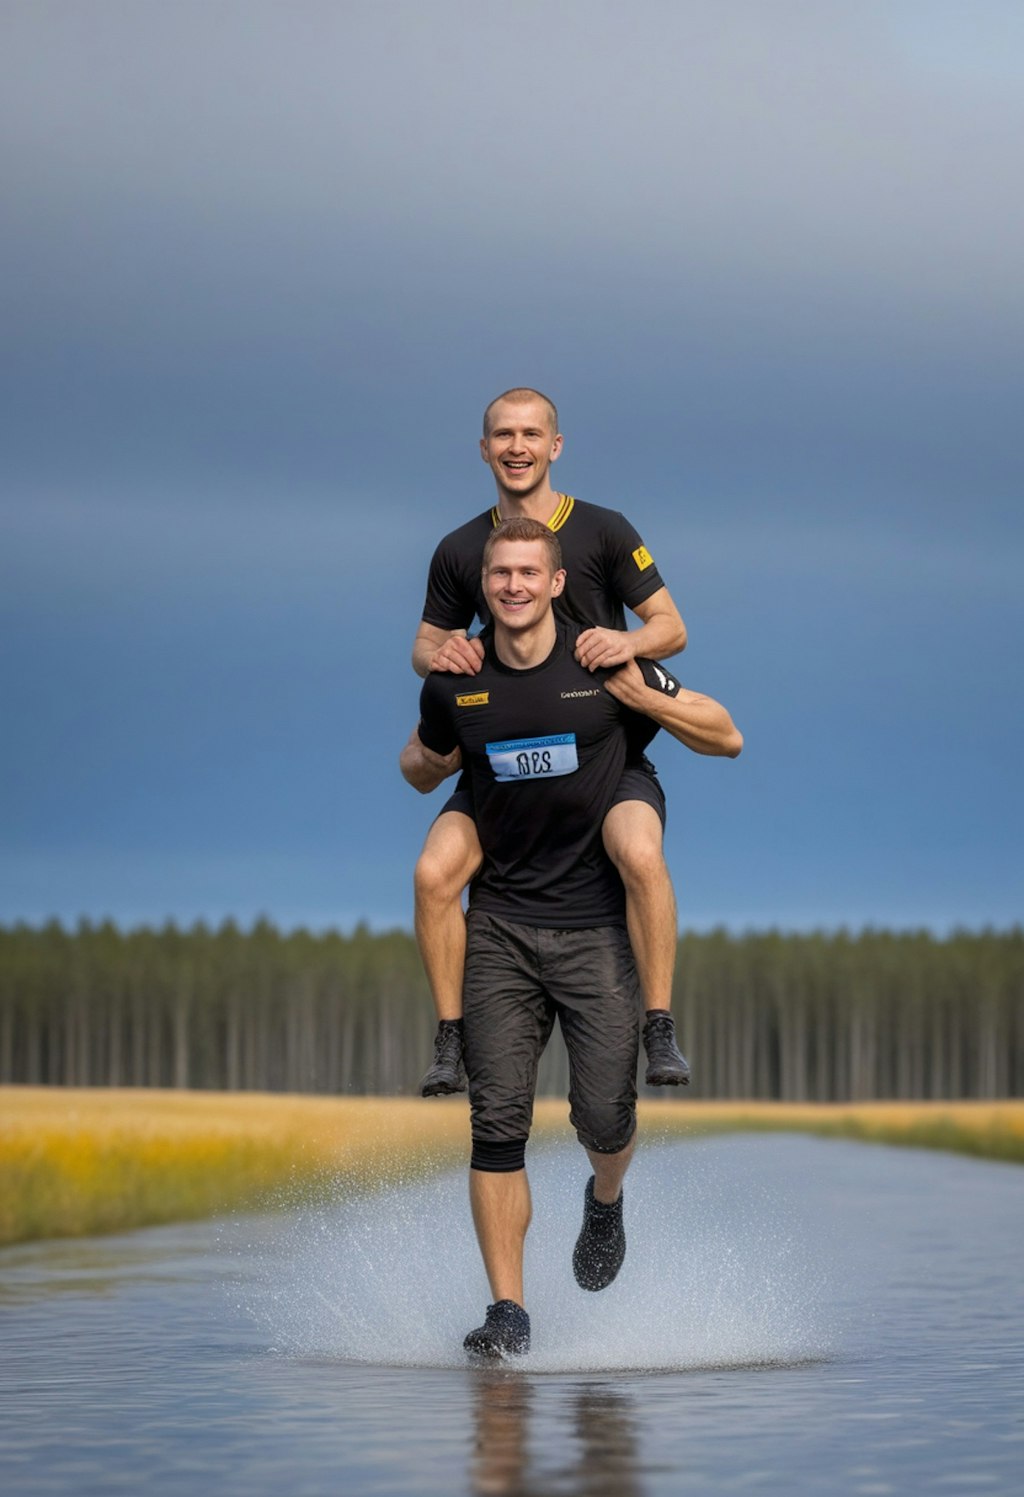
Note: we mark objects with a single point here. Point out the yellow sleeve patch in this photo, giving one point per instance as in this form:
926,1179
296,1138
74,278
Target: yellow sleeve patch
643,558
473,699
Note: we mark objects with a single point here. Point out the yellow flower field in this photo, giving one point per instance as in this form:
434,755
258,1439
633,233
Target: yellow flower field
77,1161
990,1130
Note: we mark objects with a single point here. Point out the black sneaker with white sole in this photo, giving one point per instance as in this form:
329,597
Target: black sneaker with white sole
446,1074
504,1333
601,1245
666,1064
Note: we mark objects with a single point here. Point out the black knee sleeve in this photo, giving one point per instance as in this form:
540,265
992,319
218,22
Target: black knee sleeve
498,1158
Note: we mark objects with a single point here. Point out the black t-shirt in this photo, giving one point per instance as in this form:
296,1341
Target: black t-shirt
607,566
544,749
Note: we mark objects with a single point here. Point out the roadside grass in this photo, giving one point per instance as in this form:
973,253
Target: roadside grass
79,1161
987,1130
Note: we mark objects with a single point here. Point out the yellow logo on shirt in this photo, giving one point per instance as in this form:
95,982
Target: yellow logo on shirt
473,699
643,558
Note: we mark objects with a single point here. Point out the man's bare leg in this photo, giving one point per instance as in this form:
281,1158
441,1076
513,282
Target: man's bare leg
632,835
501,1215
450,857
633,840
609,1171
601,1245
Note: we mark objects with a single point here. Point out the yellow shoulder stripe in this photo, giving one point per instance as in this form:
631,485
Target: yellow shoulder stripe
558,519
562,513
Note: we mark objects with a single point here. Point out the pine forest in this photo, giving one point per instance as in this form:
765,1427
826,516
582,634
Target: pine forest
798,1018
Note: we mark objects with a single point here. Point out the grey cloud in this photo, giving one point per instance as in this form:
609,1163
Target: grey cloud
794,143
242,234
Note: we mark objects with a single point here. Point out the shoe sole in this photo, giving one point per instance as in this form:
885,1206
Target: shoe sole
440,1089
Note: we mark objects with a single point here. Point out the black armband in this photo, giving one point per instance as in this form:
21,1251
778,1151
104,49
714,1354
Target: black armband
657,677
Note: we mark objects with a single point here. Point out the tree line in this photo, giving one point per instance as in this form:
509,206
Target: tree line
819,1017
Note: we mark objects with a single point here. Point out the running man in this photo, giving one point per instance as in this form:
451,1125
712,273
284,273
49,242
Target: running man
608,569
544,743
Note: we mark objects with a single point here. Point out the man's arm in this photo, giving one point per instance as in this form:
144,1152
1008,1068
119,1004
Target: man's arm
700,722
422,768
437,649
662,633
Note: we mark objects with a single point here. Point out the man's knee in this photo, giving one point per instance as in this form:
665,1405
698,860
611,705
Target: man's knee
638,853
435,880
449,859
607,1127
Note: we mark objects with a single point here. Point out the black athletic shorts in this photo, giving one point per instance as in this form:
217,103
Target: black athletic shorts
639,782
519,978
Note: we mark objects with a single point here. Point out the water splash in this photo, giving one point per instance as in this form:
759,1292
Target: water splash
717,1272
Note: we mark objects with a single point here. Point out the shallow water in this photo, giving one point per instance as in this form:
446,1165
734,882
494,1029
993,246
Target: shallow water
795,1315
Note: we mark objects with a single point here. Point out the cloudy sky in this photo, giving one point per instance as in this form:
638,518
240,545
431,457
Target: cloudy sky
263,264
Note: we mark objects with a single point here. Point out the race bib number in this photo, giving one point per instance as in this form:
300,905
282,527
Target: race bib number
533,758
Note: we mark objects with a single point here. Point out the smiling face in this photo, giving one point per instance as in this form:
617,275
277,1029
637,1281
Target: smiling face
519,584
519,446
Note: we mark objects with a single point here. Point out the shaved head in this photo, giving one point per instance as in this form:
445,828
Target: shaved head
522,395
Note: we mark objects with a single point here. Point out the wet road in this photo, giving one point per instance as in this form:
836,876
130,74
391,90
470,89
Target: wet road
795,1315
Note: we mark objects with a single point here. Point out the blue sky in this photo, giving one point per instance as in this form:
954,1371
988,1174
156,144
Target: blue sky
263,266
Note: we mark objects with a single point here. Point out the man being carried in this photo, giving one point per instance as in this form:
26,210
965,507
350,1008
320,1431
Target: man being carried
544,742
608,566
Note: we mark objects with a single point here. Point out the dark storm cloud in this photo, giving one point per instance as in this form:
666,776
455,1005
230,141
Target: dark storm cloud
264,263
235,151
246,232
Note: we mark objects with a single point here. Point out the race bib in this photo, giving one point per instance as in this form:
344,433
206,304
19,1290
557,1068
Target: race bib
533,758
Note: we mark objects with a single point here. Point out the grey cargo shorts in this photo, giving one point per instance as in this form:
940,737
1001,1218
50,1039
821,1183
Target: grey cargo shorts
519,979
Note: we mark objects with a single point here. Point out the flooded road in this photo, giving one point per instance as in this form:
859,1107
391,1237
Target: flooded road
794,1315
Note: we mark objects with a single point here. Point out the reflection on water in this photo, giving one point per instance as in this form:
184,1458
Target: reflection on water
319,1353
600,1441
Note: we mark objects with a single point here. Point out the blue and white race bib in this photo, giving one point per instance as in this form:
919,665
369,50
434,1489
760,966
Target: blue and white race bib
533,758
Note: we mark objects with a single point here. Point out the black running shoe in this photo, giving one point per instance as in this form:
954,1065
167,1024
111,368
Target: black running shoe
666,1064
446,1074
504,1333
601,1245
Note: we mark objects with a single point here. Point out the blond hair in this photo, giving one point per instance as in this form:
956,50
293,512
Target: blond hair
522,528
